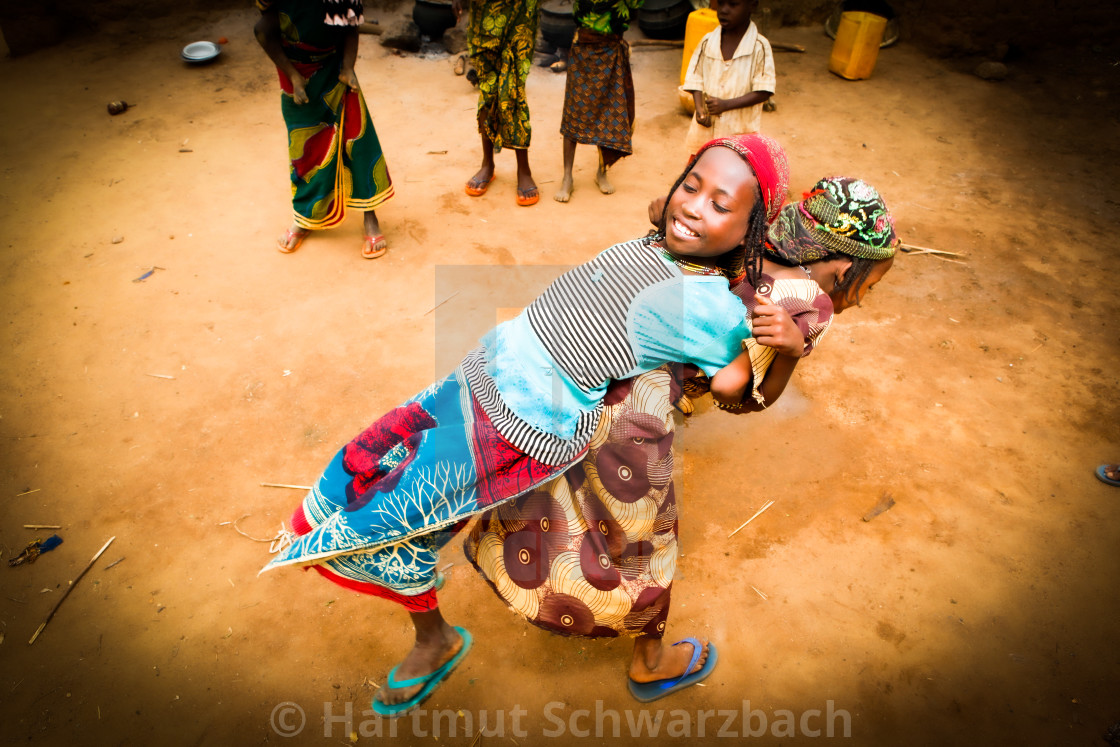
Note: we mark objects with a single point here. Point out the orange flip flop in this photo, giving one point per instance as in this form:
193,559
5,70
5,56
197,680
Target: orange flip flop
525,200
368,250
479,191
284,243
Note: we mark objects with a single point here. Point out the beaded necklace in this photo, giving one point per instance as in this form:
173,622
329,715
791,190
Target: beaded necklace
684,264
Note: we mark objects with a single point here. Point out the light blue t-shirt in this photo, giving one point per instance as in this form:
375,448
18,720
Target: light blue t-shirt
678,318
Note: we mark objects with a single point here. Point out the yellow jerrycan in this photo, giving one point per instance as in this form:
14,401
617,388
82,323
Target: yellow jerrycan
858,36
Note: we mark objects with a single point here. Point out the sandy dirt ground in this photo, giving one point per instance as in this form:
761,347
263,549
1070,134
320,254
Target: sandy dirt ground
980,394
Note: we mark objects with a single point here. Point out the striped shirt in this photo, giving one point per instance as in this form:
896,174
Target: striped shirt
541,377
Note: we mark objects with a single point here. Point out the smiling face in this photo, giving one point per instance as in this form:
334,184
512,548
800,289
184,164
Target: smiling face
709,213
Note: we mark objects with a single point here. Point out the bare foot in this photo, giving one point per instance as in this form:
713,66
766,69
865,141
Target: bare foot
653,662
290,240
425,657
604,186
565,192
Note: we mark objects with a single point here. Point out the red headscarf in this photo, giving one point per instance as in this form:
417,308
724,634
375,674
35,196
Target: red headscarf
767,159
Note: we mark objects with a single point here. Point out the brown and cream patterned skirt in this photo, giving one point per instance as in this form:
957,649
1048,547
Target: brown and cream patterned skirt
594,551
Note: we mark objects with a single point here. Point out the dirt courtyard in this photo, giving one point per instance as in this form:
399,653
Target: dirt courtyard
980,394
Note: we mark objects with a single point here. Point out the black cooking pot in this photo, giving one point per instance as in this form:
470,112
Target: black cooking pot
433,17
558,27
664,19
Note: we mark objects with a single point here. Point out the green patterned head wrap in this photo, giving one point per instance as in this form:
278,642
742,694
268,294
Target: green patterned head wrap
839,215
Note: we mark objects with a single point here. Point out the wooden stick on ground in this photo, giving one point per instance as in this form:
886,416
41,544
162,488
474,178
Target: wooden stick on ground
748,521
42,526
282,485
927,250
70,588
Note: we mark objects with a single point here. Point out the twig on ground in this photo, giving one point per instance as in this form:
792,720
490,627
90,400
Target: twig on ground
756,591
441,303
114,562
161,376
282,485
243,534
70,588
748,521
28,492
42,526
915,249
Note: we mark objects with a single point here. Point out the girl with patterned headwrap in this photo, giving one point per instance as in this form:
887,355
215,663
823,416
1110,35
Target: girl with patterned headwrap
593,553
823,255
523,407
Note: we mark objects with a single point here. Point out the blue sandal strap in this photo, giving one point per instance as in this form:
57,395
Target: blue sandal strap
395,684
697,650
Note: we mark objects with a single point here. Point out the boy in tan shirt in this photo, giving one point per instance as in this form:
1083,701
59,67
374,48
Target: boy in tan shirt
730,75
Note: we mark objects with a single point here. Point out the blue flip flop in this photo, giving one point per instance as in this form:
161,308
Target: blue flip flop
1105,478
649,691
430,682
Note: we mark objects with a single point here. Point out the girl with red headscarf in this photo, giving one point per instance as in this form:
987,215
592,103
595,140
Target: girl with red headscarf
593,553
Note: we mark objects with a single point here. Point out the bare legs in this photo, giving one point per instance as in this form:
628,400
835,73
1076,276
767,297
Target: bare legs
653,662
601,176
526,187
566,186
436,643
486,173
565,192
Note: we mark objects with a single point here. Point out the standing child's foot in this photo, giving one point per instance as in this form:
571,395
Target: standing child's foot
374,246
480,182
565,192
291,239
604,186
527,192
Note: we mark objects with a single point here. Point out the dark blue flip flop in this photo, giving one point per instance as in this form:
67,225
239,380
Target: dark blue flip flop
650,691
430,682
1105,478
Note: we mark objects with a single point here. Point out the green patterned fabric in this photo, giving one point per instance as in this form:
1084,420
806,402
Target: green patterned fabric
500,39
605,16
839,215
